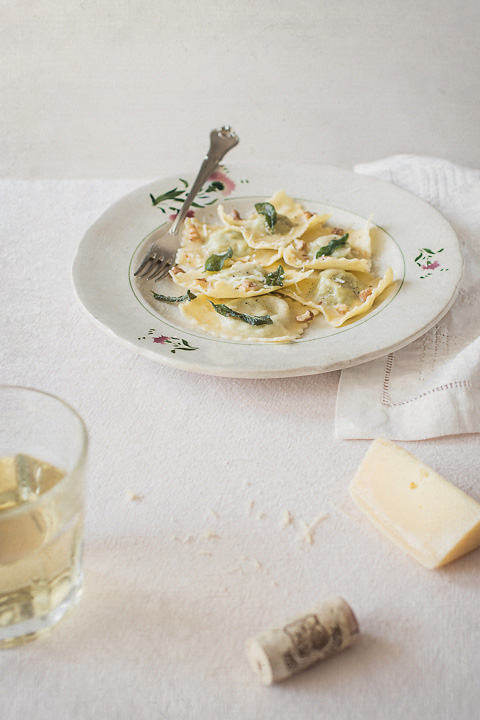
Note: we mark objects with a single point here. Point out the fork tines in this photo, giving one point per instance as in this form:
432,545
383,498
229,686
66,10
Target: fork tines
154,264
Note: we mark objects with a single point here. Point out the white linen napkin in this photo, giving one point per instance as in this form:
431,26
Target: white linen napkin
431,387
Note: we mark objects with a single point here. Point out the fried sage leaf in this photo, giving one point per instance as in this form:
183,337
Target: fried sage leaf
275,278
216,262
268,211
250,319
170,299
332,246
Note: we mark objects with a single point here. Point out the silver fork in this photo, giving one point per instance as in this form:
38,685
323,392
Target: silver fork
159,258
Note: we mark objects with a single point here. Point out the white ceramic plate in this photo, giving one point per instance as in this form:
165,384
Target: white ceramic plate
409,235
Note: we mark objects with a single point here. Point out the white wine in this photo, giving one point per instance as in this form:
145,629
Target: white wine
40,545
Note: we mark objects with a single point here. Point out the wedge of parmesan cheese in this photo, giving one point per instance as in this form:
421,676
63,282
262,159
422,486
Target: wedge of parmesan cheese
420,511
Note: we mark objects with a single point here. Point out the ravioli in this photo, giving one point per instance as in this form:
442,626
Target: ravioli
355,254
240,279
200,241
266,264
339,294
282,311
292,222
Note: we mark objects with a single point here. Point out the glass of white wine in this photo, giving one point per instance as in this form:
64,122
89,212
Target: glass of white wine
43,449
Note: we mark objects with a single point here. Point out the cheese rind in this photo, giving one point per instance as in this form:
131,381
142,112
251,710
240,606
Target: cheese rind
420,511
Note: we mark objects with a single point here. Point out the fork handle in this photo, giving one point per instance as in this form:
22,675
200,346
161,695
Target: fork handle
221,141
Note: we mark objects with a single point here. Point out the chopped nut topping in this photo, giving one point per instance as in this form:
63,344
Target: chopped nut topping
236,215
192,232
201,280
305,317
299,244
308,215
338,231
341,308
176,269
365,293
246,285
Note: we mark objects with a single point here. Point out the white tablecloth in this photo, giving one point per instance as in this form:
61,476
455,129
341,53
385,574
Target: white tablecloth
430,388
160,630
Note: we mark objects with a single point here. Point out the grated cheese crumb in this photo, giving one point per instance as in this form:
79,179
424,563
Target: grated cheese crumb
233,570
287,519
213,513
260,515
306,534
344,512
210,534
250,505
204,552
187,539
308,530
318,520
257,564
132,496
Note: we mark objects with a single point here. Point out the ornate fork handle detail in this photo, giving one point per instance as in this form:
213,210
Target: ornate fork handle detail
221,141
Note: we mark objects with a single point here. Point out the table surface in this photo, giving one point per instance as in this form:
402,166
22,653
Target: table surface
166,609
132,91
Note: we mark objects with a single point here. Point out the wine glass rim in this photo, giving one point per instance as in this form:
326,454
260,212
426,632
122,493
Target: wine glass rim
80,459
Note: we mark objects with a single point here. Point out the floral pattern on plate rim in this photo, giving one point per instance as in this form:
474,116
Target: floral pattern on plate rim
178,343
217,185
425,262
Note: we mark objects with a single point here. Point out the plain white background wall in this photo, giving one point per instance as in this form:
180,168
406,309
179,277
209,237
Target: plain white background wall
132,87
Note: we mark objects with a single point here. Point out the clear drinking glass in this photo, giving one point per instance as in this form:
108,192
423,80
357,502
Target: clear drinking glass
43,448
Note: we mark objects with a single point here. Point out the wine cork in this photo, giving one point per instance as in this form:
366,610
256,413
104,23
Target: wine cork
278,653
